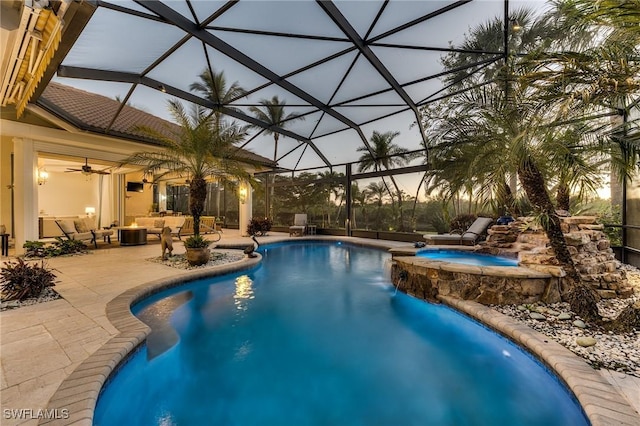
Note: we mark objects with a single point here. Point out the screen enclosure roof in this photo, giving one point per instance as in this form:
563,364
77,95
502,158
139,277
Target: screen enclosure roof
343,68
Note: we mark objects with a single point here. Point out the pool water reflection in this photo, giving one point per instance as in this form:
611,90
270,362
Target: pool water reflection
316,336
467,258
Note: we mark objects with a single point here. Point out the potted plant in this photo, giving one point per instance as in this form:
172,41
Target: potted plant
197,250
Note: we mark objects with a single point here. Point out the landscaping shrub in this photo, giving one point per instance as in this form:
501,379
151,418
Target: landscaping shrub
20,280
439,223
196,241
259,226
461,223
59,247
611,215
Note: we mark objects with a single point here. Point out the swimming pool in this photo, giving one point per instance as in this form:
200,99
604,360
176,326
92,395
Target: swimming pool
467,258
316,336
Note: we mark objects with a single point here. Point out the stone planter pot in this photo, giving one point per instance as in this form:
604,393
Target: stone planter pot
197,256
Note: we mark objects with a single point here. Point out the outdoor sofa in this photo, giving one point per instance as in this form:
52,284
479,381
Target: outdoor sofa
83,229
180,225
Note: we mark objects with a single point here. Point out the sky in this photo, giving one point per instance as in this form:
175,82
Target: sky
118,42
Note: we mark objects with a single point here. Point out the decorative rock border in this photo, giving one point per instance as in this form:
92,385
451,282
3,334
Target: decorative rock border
491,285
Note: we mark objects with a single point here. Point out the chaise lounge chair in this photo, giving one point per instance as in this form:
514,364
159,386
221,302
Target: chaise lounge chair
299,226
469,238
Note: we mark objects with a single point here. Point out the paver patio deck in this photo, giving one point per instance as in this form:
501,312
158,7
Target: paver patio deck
41,345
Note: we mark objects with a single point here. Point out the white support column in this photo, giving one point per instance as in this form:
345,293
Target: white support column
162,196
119,195
25,192
246,207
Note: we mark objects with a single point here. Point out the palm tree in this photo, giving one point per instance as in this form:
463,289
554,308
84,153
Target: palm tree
485,134
597,72
359,198
272,112
213,85
330,183
385,154
201,147
376,192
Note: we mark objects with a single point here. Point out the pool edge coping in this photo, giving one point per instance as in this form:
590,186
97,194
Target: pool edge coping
79,391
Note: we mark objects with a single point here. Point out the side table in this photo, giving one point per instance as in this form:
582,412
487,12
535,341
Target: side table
5,244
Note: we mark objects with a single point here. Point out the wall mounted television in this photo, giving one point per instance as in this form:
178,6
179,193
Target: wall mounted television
135,187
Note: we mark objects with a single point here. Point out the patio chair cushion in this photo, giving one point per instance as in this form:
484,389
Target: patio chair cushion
90,223
299,226
469,238
81,226
67,226
98,233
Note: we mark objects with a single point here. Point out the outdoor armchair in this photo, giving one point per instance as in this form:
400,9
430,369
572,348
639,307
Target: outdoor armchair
299,226
71,231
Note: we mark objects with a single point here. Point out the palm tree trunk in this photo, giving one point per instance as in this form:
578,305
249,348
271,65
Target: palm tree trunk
505,198
562,196
197,197
275,146
582,299
415,202
395,184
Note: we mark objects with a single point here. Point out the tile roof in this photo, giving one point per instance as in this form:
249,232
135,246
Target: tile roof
93,112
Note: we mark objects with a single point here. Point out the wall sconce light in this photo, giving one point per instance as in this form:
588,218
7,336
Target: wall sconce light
90,211
43,176
242,194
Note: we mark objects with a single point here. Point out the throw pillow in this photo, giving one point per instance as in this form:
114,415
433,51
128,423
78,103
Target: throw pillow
158,223
81,226
91,224
67,226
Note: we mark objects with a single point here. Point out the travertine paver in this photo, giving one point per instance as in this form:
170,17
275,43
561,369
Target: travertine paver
629,386
70,345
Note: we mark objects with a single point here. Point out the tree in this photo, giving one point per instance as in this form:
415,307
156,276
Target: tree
359,198
385,155
213,85
376,192
272,112
596,73
486,133
202,147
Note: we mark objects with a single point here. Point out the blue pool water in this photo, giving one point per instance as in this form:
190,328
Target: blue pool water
468,258
317,336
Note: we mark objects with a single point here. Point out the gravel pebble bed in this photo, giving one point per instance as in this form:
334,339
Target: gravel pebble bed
47,295
613,351
218,257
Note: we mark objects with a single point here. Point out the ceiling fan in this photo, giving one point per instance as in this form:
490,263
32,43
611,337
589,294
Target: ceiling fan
87,170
